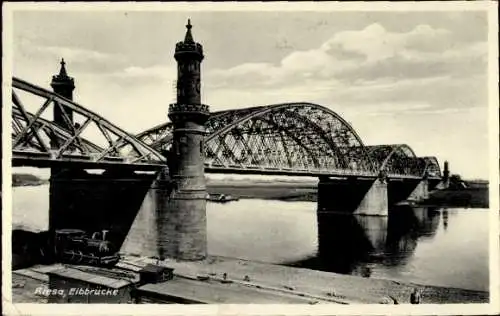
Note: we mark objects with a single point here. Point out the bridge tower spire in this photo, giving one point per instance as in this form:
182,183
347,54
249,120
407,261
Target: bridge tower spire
63,85
446,171
184,235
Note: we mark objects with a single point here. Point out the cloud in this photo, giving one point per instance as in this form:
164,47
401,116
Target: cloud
158,71
408,63
440,92
78,53
388,109
78,59
366,54
130,76
367,69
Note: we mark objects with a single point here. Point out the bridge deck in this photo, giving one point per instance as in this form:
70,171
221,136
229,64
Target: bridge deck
45,160
305,173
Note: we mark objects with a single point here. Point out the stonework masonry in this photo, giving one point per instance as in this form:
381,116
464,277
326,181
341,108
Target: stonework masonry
375,201
421,191
171,222
63,85
182,223
353,196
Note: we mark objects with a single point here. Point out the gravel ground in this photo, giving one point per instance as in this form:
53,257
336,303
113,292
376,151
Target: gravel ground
24,289
343,289
346,288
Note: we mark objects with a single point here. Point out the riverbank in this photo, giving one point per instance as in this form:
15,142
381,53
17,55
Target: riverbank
25,179
305,284
284,191
474,196
339,288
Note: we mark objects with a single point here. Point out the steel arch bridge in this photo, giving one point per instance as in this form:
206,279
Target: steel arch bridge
39,142
295,139
282,139
400,159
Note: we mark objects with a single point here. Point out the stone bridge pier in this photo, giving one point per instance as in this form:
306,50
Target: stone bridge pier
407,190
152,218
98,201
355,196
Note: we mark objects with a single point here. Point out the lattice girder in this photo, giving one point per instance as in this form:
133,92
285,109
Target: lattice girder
431,167
297,136
301,137
160,137
34,136
396,160
157,136
57,135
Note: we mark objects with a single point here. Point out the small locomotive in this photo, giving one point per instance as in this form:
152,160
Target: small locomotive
75,247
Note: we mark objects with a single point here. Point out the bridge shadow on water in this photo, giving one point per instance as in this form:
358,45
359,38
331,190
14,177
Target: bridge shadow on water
109,201
89,202
348,244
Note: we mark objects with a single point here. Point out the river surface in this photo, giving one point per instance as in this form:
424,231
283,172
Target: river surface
445,247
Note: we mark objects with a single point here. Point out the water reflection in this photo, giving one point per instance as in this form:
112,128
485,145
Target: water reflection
445,219
349,244
287,232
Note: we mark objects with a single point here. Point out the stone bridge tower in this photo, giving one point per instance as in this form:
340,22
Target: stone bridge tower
63,85
183,235
446,171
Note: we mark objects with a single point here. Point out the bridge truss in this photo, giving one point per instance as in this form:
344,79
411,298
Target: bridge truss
285,139
431,167
289,139
38,141
399,160
294,139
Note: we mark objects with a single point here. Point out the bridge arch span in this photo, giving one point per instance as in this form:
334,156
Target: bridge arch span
295,136
40,142
57,134
158,136
431,167
396,159
300,136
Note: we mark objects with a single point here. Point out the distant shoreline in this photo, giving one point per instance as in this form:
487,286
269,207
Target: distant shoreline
474,196
25,179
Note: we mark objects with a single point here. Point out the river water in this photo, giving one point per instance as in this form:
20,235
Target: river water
445,247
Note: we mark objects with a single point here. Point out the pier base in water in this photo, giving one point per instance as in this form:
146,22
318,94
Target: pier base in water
408,190
95,202
353,196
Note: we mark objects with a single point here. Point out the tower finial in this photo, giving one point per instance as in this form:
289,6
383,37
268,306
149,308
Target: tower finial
189,36
62,72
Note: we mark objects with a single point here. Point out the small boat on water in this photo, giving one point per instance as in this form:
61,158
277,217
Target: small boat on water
407,203
221,198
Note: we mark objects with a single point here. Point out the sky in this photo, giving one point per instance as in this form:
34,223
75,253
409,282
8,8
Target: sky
418,78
